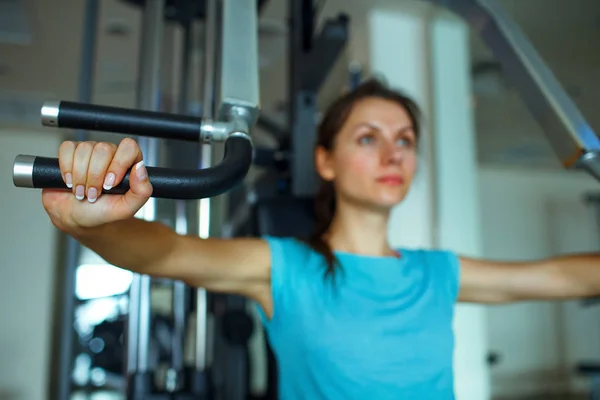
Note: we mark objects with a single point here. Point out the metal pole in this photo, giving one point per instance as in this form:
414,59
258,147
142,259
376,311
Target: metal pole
86,84
238,95
185,67
303,100
208,111
174,381
148,98
180,291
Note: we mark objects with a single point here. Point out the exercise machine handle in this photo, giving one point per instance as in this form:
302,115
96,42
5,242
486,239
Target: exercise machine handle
44,173
92,117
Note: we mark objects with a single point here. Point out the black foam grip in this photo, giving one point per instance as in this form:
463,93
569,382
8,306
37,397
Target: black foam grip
128,121
170,183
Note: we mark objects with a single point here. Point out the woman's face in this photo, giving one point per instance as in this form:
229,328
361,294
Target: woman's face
374,157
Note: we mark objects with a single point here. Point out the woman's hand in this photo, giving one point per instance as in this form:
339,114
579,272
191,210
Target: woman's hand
87,168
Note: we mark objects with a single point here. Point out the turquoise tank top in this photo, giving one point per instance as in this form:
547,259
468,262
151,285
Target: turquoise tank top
382,331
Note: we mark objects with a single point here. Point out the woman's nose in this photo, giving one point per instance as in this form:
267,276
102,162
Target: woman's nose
390,153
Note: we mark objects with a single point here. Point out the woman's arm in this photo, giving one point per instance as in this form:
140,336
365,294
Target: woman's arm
565,277
237,266
106,225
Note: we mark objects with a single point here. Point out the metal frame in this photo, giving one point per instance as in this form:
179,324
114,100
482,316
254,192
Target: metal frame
139,382
239,86
63,382
311,58
201,383
236,112
567,131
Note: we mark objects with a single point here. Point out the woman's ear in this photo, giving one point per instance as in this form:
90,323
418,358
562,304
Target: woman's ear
324,163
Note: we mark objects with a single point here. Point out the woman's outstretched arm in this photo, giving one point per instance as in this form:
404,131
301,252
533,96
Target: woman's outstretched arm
106,225
556,278
237,266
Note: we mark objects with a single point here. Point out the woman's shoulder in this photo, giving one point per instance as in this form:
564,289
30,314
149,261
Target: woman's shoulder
426,251
291,259
288,245
430,255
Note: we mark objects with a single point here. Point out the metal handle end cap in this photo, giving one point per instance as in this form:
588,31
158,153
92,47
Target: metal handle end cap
23,171
50,111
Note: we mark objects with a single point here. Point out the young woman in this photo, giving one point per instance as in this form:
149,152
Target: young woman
347,315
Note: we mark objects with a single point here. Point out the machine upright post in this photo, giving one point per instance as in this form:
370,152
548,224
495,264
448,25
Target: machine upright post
200,384
302,107
148,98
239,100
311,57
73,248
175,378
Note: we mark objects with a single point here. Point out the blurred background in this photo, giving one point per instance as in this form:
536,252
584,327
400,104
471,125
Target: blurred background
522,204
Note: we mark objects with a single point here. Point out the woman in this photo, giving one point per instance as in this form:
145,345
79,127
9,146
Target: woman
347,315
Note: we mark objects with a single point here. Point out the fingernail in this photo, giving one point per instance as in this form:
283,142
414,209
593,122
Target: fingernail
92,195
109,181
140,170
79,192
69,180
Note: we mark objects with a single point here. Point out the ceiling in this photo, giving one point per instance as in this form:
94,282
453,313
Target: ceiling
40,51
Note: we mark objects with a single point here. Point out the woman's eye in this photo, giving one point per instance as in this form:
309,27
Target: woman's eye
403,142
366,139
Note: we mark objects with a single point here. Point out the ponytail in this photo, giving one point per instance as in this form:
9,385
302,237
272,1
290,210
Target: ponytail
324,212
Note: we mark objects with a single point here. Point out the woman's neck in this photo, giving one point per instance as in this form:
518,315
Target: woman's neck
357,230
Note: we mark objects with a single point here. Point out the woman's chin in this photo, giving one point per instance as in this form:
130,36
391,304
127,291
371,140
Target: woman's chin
385,203
380,200
390,198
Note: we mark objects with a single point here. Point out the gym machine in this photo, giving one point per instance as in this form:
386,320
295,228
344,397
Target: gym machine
573,140
292,177
231,35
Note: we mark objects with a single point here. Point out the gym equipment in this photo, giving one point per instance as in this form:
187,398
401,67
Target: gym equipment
237,97
44,172
61,383
571,137
237,113
229,113
290,165
110,356
311,58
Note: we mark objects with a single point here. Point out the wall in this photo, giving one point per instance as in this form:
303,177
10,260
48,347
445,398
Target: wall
528,214
27,262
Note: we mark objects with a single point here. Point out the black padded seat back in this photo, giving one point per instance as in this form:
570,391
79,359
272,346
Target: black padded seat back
285,216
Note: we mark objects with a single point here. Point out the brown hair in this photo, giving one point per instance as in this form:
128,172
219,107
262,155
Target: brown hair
333,120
